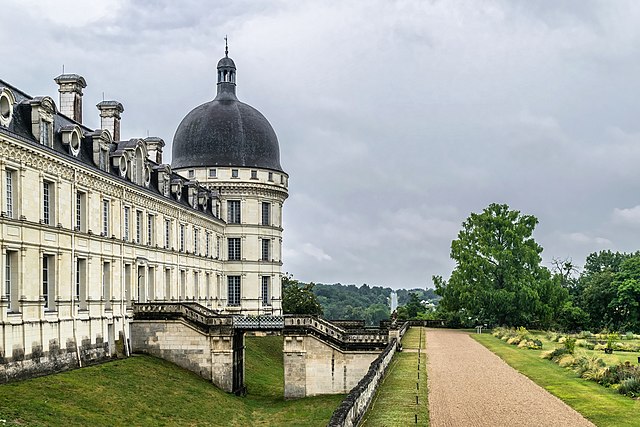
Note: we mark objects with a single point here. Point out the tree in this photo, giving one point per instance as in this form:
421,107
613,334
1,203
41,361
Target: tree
298,298
414,307
498,277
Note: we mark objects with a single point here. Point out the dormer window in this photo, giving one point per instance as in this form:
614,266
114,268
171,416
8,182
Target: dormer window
71,136
191,173
6,106
101,140
46,133
42,111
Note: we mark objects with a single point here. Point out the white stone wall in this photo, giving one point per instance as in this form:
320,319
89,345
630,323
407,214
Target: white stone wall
93,325
267,186
313,367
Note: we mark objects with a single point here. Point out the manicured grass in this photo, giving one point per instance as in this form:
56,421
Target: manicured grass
604,407
143,390
395,401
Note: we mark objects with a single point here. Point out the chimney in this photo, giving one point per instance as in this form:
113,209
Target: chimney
110,117
70,89
154,148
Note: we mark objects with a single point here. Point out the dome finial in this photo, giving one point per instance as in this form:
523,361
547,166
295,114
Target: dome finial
226,47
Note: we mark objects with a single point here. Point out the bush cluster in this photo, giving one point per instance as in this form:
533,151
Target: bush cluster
518,336
624,377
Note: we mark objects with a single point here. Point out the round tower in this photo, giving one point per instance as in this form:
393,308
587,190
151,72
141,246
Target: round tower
231,148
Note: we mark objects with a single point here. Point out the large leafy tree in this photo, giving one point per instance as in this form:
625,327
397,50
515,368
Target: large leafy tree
498,277
298,298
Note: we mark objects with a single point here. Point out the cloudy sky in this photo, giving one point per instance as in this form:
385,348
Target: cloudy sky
396,119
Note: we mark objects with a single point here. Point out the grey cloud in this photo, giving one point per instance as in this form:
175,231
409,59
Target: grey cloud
396,119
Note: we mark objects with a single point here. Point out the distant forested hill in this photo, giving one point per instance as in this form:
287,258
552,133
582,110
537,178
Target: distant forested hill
368,303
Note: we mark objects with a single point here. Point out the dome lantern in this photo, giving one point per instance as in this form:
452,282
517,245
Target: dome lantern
226,74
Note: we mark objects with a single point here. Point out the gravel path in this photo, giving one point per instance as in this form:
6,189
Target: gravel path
471,386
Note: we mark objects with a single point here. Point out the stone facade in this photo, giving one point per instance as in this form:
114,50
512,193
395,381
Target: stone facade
314,367
90,224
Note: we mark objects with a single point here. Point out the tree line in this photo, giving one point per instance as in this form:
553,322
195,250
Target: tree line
351,302
499,279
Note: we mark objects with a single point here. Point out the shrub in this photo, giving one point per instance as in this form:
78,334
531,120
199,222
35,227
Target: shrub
628,336
585,334
554,354
566,360
585,344
532,344
618,373
570,344
590,367
522,332
630,387
514,340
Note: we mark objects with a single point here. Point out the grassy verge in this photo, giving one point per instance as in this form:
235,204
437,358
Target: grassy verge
604,407
395,400
146,391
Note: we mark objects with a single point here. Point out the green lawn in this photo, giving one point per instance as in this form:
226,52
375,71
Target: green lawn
604,407
143,390
395,400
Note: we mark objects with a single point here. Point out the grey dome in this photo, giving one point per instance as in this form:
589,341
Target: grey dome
225,132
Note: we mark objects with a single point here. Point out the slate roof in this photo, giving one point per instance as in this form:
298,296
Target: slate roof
225,132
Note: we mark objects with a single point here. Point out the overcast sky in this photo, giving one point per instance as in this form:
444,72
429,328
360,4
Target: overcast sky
396,120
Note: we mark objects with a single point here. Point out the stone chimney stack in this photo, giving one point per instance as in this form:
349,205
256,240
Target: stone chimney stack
110,117
154,148
70,89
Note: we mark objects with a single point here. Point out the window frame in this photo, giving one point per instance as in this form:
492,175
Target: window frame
234,291
234,212
234,248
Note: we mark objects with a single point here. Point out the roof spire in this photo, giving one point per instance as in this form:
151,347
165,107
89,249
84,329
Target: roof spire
226,47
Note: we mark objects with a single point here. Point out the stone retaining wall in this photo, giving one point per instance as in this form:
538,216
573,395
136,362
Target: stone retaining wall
355,405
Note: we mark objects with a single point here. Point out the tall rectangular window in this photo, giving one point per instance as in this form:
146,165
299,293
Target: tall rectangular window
139,227
151,221
196,284
167,233
81,216
234,248
266,250
7,276
181,237
46,202
196,241
218,247
233,211
9,193
266,213
106,284
46,133
81,283
265,294
233,291
47,281
127,214
207,244
10,280
105,217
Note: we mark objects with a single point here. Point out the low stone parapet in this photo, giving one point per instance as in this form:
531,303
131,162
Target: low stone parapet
355,405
